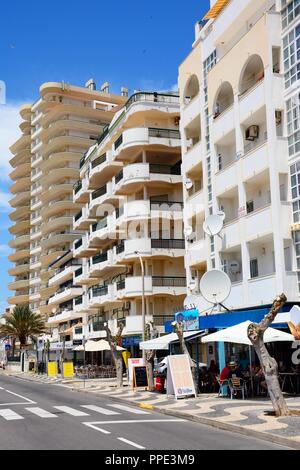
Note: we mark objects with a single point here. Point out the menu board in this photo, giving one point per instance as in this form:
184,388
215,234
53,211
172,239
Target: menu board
179,377
140,377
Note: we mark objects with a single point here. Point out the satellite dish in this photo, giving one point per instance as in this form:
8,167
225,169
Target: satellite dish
215,286
221,214
190,301
188,230
192,284
213,225
188,183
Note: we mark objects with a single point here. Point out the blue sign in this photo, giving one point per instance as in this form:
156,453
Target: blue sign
189,318
7,347
128,341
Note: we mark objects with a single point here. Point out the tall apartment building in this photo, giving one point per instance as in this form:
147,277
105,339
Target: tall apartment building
239,96
130,188
56,130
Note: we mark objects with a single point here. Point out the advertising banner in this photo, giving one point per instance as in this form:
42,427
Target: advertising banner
189,318
68,370
52,369
179,377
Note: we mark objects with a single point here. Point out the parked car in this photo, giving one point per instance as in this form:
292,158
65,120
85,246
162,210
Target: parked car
160,369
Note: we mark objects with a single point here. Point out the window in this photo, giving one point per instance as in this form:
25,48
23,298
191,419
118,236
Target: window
290,11
250,207
293,124
295,186
291,56
253,268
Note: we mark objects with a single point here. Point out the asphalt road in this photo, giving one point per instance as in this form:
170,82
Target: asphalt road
47,417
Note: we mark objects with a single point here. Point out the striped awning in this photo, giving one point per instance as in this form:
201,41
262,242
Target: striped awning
216,9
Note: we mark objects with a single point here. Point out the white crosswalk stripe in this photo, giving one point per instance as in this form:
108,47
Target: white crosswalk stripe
10,415
41,413
101,410
135,411
71,411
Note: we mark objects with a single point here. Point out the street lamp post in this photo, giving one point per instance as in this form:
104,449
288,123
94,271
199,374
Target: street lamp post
143,301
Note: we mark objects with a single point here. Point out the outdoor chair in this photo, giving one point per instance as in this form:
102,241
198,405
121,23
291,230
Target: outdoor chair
237,385
223,387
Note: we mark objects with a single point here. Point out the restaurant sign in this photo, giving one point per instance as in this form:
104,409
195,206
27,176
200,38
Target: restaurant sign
189,318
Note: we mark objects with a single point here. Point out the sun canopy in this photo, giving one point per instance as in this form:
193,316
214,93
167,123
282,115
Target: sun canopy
293,316
96,346
238,334
163,342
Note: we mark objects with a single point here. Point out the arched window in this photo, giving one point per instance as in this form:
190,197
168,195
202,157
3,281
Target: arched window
191,89
253,73
223,100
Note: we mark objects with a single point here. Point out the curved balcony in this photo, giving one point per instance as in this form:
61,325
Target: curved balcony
63,274
102,168
67,157
102,195
55,223
57,190
59,174
21,185
65,294
19,213
19,255
102,295
20,227
21,199
48,258
21,144
140,137
82,276
81,220
81,193
81,248
143,210
133,177
130,250
19,284
102,265
59,143
19,269
58,239
19,299
20,241
58,206
21,171
154,285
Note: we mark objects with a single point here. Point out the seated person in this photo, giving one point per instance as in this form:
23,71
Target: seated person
235,371
224,373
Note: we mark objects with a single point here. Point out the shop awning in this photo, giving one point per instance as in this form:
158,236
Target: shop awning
216,9
238,334
163,342
96,346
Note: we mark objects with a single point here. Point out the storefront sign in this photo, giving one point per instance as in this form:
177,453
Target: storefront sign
131,341
68,369
189,318
52,369
60,345
77,342
179,377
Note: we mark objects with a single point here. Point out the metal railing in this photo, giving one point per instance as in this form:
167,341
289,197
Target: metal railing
119,141
120,284
120,247
152,98
78,300
78,244
165,281
99,225
77,186
100,258
78,272
99,291
99,160
164,133
166,205
165,169
168,244
99,192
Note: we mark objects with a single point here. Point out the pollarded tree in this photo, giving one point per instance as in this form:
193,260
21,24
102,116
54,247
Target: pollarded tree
22,324
115,352
268,363
150,333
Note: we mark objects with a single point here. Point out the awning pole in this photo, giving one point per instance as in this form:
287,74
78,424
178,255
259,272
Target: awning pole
251,373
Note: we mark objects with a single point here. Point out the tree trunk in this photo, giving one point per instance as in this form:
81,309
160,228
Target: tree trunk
268,363
116,355
149,364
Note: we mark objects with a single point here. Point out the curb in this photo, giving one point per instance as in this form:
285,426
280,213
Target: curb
284,441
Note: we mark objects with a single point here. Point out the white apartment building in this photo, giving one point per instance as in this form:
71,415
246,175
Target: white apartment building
239,97
130,190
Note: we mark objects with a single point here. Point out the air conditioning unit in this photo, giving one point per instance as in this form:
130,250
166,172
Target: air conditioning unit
191,238
252,133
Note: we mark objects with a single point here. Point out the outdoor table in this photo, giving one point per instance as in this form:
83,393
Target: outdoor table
287,377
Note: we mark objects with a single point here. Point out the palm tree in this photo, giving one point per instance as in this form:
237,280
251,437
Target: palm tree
22,324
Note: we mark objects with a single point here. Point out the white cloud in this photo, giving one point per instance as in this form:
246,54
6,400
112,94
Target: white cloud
9,133
5,251
4,201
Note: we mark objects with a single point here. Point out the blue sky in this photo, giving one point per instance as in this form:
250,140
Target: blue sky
137,44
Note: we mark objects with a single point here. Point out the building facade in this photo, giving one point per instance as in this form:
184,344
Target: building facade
56,130
239,150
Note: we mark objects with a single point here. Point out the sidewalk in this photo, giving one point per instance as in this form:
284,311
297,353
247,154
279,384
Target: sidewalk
242,416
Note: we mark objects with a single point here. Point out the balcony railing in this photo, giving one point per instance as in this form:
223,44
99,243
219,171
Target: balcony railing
78,244
152,98
164,133
78,216
99,225
120,247
78,272
167,205
99,326
99,160
77,186
119,141
99,291
164,281
100,258
168,244
165,169
119,177
78,300
121,284
99,192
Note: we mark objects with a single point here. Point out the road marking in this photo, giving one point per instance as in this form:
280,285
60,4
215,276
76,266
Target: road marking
133,421
41,413
98,409
1,388
10,415
71,411
21,396
97,429
130,443
135,411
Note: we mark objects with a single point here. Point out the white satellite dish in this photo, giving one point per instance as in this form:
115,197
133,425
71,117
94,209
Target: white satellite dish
188,183
215,286
190,301
221,214
213,225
